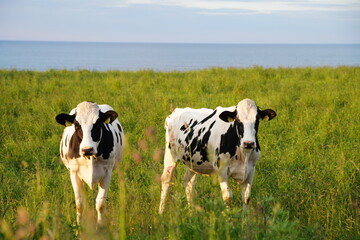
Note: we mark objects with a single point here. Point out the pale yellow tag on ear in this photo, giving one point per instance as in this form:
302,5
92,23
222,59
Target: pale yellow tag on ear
67,123
230,119
266,118
107,120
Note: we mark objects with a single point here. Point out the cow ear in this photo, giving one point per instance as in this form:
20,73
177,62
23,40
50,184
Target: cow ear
108,117
267,114
228,116
65,119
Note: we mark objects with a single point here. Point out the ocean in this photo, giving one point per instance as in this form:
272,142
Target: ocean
43,56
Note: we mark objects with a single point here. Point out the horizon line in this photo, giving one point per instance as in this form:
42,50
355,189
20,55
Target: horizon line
160,42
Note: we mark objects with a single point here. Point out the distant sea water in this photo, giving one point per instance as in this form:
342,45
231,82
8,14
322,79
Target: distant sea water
42,56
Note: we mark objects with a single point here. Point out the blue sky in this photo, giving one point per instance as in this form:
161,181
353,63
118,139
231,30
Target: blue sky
185,21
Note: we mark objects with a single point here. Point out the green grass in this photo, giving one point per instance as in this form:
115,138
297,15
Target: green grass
306,184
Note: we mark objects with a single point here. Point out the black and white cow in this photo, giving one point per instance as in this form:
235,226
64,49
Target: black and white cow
222,141
91,145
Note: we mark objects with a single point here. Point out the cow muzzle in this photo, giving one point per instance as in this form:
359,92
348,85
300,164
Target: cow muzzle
248,144
88,151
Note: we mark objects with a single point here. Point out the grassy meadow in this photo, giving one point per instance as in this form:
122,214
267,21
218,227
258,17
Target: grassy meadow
306,185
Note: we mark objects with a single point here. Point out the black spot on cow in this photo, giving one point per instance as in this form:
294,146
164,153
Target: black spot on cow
208,117
74,144
121,141
61,149
194,145
96,131
106,144
206,136
200,131
194,124
204,143
78,129
231,139
117,137
199,144
75,140
257,122
189,136
119,127
183,128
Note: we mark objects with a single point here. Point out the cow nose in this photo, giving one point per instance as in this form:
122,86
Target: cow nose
87,151
248,144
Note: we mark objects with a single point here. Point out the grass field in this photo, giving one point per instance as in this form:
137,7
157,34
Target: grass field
306,185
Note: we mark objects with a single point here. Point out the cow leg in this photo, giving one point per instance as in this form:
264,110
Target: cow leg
189,184
246,193
225,188
101,197
77,185
166,178
246,189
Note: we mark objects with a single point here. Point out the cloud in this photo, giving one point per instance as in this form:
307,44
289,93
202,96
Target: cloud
260,7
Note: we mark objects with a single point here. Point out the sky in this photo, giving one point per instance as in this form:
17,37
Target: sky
182,21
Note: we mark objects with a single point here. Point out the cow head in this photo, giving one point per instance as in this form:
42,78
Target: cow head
88,122
246,118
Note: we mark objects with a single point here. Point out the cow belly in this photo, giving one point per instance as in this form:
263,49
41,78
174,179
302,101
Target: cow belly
240,170
237,171
205,168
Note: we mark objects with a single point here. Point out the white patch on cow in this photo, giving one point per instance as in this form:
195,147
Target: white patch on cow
87,113
247,112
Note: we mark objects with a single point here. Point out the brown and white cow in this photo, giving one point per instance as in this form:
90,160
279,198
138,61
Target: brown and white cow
91,145
222,141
